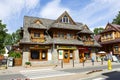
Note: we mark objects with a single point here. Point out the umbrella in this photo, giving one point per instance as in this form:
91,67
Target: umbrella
102,52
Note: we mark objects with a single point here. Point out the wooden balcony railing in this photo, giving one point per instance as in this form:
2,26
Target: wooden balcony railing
38,39
88,42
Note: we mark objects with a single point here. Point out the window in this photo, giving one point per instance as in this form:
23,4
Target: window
111,35
62,35
116,47
34,54
68,35
58,34
71,54
44,55
84,37
38,55
65,19
36,34
71,35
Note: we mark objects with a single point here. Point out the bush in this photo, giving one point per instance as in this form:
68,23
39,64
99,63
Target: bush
15,54
28,63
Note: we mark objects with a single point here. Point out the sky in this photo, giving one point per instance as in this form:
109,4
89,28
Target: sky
94,13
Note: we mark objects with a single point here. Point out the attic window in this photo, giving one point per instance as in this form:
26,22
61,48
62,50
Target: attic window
65,19
38,22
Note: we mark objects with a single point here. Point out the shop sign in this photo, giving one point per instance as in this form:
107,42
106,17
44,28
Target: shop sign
40,47
60,54
66,47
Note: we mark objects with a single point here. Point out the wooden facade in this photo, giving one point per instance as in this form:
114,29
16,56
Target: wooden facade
110,39
44,38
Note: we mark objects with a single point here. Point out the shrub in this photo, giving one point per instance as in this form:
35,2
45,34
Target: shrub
28,63
15,54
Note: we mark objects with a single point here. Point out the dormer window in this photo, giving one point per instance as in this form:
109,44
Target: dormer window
65,19
36,34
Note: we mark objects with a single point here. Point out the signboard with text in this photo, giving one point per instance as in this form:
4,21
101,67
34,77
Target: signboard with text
60,54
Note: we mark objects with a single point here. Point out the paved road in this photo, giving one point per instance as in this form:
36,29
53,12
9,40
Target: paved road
114,75
35,74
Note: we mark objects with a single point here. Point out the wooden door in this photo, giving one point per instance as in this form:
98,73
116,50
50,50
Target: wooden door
66,57
81,56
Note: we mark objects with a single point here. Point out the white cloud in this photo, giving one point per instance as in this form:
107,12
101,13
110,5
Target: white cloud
8,7
11,9
53,10
98,11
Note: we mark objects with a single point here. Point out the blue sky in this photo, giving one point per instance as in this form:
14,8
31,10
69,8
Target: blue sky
94,13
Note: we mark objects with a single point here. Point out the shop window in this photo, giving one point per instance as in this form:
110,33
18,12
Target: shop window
71,54
87,55
44,55
66,55
34,54
36,34
116,47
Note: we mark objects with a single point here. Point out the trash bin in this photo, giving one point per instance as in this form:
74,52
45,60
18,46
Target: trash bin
10,61
4,62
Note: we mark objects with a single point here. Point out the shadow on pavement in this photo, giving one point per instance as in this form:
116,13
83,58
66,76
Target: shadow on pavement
115,75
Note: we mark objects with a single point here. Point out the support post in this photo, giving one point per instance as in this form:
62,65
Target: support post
83,63
62,63
73,62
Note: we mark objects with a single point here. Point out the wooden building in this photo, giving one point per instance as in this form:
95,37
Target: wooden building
110,39
47,41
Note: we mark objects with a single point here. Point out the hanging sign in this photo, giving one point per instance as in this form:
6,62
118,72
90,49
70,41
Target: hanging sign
60,54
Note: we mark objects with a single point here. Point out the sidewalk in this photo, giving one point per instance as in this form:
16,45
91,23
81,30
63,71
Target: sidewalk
87,64
17,69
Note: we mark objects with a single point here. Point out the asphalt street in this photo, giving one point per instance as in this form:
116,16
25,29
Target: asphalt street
35,74
114,75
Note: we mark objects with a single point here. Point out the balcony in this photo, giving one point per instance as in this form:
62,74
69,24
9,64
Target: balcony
88,42
38,40
106,39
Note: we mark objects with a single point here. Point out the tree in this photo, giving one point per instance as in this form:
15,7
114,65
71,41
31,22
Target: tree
16,36
3,33
117,19
13,38
8,39
98,30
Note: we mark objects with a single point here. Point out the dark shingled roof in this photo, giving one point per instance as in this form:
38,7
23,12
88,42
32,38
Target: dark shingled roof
29,22
85,30
37,26
115,27
97,37
67,41
66,26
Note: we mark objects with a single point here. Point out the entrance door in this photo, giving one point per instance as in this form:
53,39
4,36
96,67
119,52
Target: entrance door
81,56
66,57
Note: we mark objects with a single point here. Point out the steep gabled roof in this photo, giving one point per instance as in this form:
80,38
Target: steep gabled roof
61,25
97,37
111,27
85,29
65,14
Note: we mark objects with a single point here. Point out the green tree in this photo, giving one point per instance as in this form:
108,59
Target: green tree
8,39
16,36
13,38
98,30
3,34
117,19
